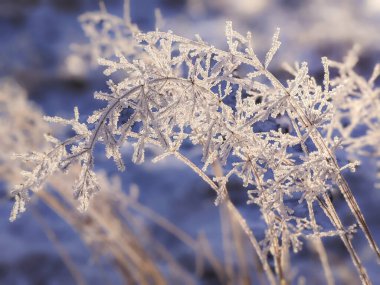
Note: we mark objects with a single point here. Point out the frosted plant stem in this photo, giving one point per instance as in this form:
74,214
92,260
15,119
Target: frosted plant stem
317,242
235,213
120,252
277,260
239,242
330,212
314,134
231,233
253,241
175,231
285,260
276,250
321,145
227,244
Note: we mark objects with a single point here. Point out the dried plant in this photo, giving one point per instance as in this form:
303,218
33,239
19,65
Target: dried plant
26,131
180,91
114,228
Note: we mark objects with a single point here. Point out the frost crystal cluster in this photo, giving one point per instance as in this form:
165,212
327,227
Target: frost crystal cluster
176,91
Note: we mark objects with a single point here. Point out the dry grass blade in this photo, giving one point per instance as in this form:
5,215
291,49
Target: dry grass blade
330,212
318,244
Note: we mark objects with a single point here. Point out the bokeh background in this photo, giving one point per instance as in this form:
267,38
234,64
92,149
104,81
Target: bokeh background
46,246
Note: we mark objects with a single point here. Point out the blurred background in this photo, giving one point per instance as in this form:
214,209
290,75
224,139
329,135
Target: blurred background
159,224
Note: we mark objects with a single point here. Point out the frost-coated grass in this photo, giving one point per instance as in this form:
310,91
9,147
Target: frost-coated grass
181,90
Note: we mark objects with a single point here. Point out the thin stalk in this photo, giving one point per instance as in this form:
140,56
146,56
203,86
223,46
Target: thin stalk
75,273
330,158
236,214
330,212
318,244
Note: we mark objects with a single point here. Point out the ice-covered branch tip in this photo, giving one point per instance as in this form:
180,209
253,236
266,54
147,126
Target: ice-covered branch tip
275,46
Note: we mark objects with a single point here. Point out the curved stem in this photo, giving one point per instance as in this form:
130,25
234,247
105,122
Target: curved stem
235,213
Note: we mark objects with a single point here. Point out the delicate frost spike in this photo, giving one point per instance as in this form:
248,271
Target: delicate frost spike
18,207
51,139
352,57
222,190
229,35
76,114
352,166
221,196
199,38
159,19
139,152
95,116
111,66
127,12
289,68
161,157
326,78
275,46
112,150
375,74
86,186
